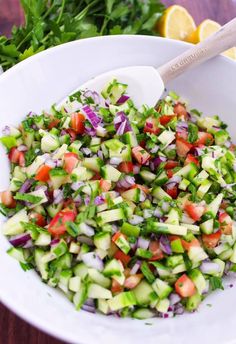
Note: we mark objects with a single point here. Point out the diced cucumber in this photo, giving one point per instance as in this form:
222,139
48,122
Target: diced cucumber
113,268
166,137
199,280
36,164
80,297
176,246
74,284
110,173
103,306
95,291
123,244
19,173
122,300
41,266
15,184
162,288
13,225
114,90
173,217
233,256
192,228
197,254
159,227
187,171
98,278
93,164
43,239
183,185
102,240
28,137
193,302
131,139
200,178
104,206
161,179
49,142
53,209
134,195
143,313
111,215
214,206
160,194
142,293
208,122
147,176
81,173
58,176
163,305
64,280
207,226
130,230
81,270
203,188
17,253
38,193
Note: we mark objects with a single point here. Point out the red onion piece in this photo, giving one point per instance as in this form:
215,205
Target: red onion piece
115,161
93,118
143,243
157,161
135,268
174,299
20,239
58,196
121,123
165,244
208,267
22,148
92,260
99,200
90,309
86,229
26,185
85,240
122,99
93,95
54,242
136,169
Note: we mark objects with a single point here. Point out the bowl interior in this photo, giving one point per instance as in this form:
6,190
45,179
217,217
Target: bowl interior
47,78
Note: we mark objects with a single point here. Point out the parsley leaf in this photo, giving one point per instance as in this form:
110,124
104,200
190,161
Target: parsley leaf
216,283
192,132
28,198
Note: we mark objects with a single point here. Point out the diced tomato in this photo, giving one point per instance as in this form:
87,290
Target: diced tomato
211,240
22,159
14,155
165,119
42,174
169,173
204,139
142,143
151,126
232,147
195,211
105,185
54,122
182,134
172,192
116,287
182,147
96,176
7,199
187,245
126,167
72,134
173,237
184,286
132,281
38,219
144,188
171,164
70,161
226,223
180,110
77,122
140,154
124,258
57,226
191,158
157,253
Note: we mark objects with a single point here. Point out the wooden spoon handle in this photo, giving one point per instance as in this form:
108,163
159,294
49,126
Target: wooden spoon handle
215,44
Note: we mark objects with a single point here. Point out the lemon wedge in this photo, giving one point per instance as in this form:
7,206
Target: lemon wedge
176,23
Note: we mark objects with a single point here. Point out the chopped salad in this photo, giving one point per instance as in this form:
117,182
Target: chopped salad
127,211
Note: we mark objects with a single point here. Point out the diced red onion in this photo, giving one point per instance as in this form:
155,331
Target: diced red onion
143,243
206,290
142,196
208,267
136,219
94,95
157,161
165,207
136,169
76,185
179,309
99,200
22,148
227,143
54,242
122,99
135,268
86,151
126,182
115,161
85,240
154,149
165,244
114,228
174,179
86,229
87,200
49,162
58,196
90,131
89,302
29,244
41,187
157,213
100,154
174,299
182,125
78,199
93,118
92,260
121,123
90,309
6,131
26,185
20,239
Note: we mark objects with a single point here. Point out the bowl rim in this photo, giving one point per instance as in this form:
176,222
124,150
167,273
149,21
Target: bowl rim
37,321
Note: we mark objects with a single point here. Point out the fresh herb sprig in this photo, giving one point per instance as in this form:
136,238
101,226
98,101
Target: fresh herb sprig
52,22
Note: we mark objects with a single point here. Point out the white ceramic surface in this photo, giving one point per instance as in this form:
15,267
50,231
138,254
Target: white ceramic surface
46,78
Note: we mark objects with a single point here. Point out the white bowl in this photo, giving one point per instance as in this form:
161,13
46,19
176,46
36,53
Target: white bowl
45,79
